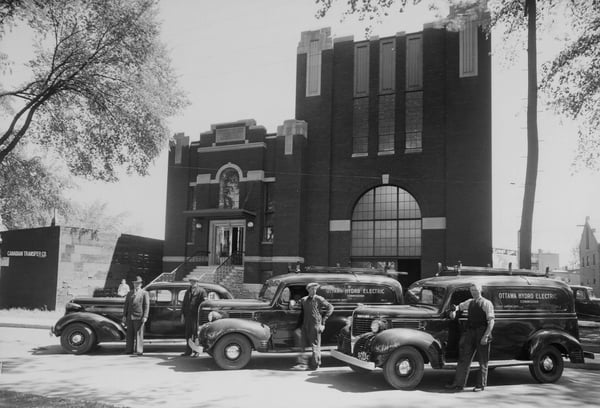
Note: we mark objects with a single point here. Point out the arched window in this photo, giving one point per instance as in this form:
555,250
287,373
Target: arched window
386,222
229,190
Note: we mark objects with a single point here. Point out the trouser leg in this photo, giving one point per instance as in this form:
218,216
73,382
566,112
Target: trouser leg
139,336
316,349
300,339
483,356
129,337
466,350
188,335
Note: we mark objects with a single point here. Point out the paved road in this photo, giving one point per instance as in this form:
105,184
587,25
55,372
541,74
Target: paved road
33,362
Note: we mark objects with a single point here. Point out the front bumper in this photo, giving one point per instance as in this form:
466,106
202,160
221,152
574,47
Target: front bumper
367,365
195,346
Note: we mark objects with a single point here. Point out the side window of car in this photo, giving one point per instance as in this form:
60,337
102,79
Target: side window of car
580,295
180,296
293,292
460,295
161,296
213,295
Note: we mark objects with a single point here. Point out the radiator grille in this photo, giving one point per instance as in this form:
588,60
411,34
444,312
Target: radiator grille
361,325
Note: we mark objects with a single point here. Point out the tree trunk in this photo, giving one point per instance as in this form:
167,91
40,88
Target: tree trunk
532,141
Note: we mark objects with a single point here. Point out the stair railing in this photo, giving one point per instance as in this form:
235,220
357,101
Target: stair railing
228,265
198,258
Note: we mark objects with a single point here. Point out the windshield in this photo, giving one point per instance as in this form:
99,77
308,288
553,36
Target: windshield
267,292
425,295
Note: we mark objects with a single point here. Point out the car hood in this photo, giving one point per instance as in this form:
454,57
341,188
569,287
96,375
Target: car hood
409,311
226,304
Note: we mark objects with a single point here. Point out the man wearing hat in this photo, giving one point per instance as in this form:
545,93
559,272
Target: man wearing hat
135,315
312,324
189,311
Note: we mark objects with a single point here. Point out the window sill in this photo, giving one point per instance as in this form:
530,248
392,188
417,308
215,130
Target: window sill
360,155
411,151
386,153
267,242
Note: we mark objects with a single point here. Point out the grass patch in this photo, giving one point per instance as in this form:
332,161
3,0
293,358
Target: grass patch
12,399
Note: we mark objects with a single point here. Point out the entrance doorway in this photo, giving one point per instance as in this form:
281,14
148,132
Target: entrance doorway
227,239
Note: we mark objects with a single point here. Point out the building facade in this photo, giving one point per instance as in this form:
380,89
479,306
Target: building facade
387,163
589,254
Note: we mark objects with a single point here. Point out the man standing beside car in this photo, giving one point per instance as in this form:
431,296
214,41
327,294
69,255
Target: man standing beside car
135,315
312,324
192,299
477,336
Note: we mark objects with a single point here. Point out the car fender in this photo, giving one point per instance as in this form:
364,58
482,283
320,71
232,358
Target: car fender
258,333
384,343
567,344
105,329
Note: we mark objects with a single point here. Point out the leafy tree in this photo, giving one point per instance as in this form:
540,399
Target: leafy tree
97,217
101,85
31,191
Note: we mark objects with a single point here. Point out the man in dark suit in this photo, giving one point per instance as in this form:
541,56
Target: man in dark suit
189,311
135,315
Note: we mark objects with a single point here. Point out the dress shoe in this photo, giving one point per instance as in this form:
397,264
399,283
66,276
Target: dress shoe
478,388
185,354
453,387
300,367
139,354
128,352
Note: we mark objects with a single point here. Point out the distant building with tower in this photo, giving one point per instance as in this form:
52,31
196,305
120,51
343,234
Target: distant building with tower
589,257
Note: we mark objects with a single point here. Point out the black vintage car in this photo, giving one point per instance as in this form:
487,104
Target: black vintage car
231,329
92,320
587,306
535,324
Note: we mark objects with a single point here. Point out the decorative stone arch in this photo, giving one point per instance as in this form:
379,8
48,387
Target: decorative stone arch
228,166
229,177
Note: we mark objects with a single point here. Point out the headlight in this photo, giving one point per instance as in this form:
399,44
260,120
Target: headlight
212,316
378,325
73,307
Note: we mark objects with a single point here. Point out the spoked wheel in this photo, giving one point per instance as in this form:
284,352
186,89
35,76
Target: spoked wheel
78,338
404,368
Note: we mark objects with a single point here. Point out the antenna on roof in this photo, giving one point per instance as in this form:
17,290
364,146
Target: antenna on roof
510,268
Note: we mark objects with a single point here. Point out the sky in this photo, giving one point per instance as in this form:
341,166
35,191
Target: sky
237,60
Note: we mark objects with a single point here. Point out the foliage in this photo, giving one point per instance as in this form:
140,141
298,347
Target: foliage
102,85
30,191
96,216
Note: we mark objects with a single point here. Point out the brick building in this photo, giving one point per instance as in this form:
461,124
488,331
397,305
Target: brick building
387,162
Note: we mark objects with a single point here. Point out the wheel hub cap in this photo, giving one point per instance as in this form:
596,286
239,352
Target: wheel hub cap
232,351
404,367
547,364
76,338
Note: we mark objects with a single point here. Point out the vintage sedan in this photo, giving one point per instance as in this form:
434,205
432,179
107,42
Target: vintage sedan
92,320
587,306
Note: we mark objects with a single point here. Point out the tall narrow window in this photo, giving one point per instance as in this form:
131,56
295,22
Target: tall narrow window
414,121
414,94
361,69
467,40
229,191
360,114
414,62
387,66
360,126
313,69
387,122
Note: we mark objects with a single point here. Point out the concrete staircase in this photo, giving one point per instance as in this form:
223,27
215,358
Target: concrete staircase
203,273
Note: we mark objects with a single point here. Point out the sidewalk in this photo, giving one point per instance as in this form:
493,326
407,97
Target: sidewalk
41,320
